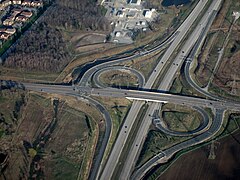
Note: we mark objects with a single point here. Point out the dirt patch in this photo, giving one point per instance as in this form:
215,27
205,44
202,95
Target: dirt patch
91,39
93,48
225,166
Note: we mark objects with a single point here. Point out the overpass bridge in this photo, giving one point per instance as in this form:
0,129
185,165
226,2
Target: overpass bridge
141,95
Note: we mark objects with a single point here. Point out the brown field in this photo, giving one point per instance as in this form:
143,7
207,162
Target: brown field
40,145
226,80
209,52
18,74
196,165
93,48
228,75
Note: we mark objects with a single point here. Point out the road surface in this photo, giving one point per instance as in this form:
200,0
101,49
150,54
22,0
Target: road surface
168,153
175,66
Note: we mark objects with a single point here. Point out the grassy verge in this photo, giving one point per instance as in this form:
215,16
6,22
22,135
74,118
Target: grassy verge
180,118
181,86
90,148
201,62
214,89
21,75
145,64
157,141
118,109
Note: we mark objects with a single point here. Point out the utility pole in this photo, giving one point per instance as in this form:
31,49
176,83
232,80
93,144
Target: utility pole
234,85
213,147
212,154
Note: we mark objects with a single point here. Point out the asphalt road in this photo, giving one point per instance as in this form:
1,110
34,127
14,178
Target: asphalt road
97,165
164,97
154,98
132,95
189,44
197,34
112,61
140,96
175,66
168,153
190,58
116,151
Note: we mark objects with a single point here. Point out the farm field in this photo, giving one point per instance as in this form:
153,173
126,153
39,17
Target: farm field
44,137
225,166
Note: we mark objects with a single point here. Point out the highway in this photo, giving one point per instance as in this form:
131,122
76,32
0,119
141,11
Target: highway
164,97
134,111
116,151
68,90
188,45
198,33
190,58
182,31
175,66
154,98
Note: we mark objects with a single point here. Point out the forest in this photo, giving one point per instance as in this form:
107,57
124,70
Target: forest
77,14
42,47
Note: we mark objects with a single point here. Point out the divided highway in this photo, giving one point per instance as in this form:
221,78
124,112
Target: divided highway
197,34
154,99
174,67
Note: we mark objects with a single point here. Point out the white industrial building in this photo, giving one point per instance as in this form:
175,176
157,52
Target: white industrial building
134,2
148,13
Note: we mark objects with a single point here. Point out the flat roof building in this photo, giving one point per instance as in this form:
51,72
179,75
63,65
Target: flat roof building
134,2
